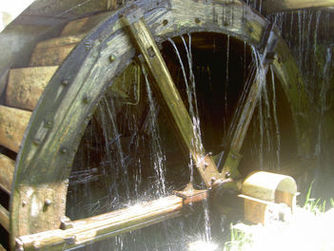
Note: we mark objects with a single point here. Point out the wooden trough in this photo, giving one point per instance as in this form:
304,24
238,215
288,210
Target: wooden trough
268,196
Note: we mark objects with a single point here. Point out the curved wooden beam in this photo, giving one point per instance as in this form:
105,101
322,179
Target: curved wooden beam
272,6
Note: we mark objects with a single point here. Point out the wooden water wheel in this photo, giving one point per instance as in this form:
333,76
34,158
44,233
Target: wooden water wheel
51,101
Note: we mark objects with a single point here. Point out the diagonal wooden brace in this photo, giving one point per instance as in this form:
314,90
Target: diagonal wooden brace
164,83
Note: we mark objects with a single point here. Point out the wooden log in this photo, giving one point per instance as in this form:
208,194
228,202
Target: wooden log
83,25
4,218
26,85
13,123
100,227
7,167
272,6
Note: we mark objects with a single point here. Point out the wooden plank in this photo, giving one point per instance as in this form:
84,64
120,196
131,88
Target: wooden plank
271,6
26,85
4,218
83,25
7,167
103,226
164,83
13,123
60,41
50,56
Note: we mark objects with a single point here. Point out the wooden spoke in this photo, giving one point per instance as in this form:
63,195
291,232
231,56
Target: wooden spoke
164,83
233,158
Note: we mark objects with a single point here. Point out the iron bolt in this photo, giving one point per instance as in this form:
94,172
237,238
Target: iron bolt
213,179
47,202
85,99
65,82
112,58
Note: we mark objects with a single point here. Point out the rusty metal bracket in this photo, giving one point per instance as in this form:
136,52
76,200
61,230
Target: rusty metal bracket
191,195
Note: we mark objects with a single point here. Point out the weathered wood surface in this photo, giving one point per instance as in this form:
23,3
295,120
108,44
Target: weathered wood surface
83,25
7,167
271,6
103,226
26,85
51,56
60,41
13,123
4,218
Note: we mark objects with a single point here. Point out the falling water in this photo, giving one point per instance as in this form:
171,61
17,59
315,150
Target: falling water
191,95
323,100
261,126
158,157
227,70
110,110
277,130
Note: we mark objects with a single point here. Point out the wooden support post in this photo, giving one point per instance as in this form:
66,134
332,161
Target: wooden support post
7,167
272,6
4,218
164,83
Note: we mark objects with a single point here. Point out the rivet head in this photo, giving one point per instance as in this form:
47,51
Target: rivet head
112,58
213,179
63,150
47,202
37,141
65,82
197,20
85,99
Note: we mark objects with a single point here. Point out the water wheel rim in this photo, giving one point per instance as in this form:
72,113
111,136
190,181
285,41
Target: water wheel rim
57,124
